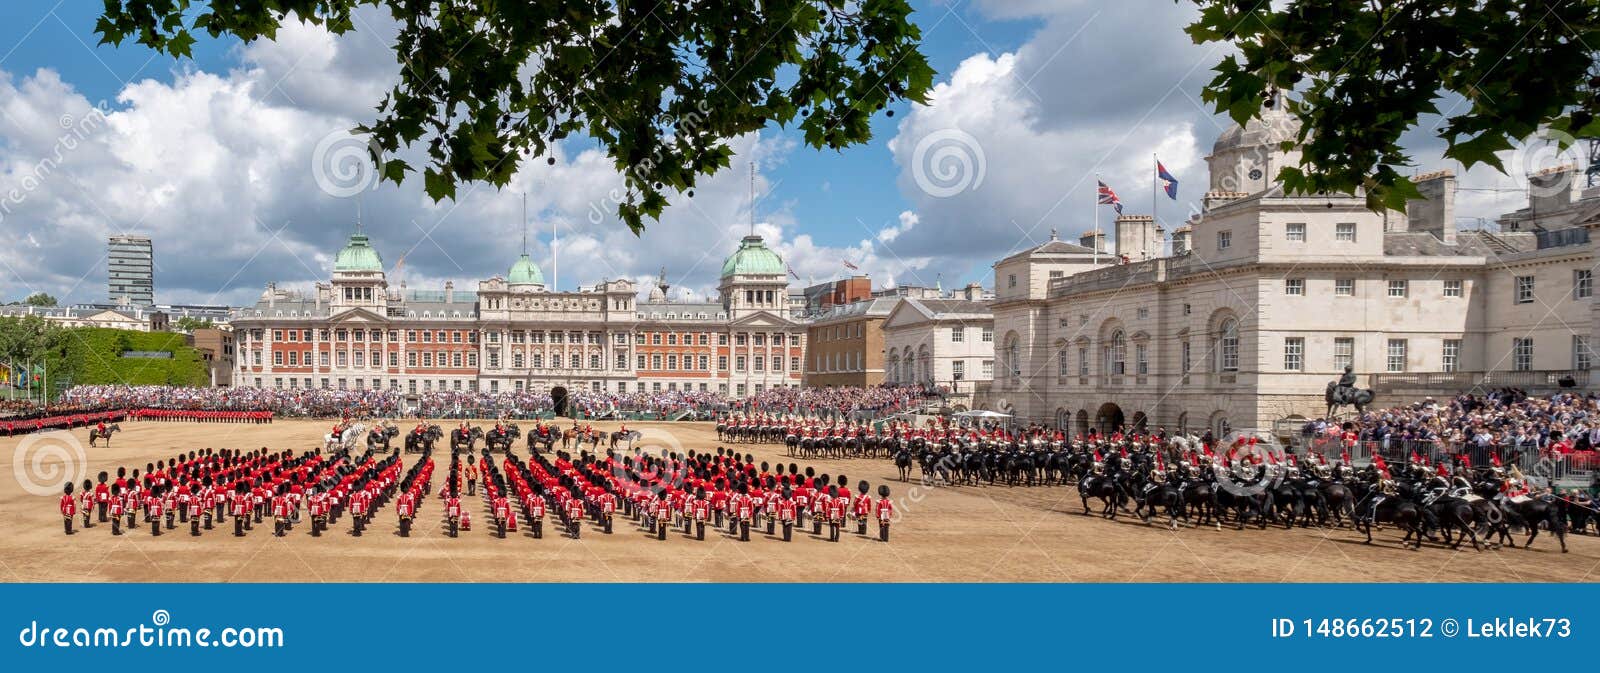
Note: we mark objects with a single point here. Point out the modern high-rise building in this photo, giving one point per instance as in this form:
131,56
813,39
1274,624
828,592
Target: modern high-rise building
130,273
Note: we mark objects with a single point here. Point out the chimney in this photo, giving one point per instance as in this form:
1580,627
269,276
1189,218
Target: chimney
1553,188
1434,213
973,292
1180,240
1136,236
449,292
1093,240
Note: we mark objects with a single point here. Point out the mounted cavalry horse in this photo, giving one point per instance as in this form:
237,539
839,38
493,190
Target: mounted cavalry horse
543,435
346,439
464,439
378,437
421,440
95,433
500,437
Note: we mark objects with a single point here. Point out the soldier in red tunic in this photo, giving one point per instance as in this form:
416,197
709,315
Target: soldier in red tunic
861,508
502,511
787,513
536,514
608,509
702,512
574,516
452,511
69,507
885,512
837,505
358,511
86,502
661,514
280,513
194,506
102,496
116,509
405,506
239,507
152,509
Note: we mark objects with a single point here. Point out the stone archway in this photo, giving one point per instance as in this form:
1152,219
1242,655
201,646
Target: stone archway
1109,418
1081,424
1140,422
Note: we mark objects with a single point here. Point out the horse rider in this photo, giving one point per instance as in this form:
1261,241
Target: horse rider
1515,488
1346,387
100,428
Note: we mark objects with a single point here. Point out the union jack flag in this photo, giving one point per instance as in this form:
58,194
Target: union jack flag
1108,197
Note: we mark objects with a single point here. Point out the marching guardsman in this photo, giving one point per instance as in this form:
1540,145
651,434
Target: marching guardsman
787,513
241,510
834,512
406,507
701,511
608,509
169,502
102,493
819,504
885,512
861,508
574,516
470,472
86,502
452,511
502,512
116,509
69,507
358,511
661,513
535,508
280,513
317,507
152,509
193,507
744,508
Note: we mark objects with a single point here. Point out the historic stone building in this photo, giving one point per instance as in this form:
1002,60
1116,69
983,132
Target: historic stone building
514,333
1265,297
847,343
942,342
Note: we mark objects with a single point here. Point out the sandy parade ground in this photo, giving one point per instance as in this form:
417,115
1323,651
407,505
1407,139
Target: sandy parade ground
967,534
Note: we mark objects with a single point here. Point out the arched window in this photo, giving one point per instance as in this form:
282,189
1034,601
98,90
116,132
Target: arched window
1228,346
1116,354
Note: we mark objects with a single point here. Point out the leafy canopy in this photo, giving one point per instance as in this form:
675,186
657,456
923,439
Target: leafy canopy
661,86
1363,71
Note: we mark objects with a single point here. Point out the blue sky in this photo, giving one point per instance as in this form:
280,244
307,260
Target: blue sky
215,158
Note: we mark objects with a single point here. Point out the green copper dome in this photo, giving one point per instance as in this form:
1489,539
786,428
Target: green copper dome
358,255
525,272
753,257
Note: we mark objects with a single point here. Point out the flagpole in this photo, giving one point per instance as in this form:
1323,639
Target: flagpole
1094,234
1155,193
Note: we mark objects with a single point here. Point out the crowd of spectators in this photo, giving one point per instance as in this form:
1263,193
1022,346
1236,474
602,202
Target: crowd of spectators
321,402
1507,423
843,400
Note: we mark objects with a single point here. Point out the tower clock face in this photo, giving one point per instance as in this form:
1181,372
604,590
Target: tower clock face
1255,174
